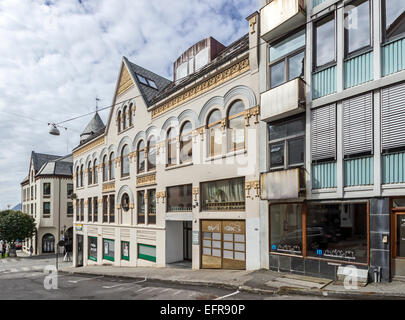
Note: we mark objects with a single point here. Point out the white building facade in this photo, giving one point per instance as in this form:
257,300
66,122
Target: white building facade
173,176
45,194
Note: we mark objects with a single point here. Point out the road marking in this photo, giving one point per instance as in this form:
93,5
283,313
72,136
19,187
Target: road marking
228,295
142,289
123,284
164,290
177,292
85,279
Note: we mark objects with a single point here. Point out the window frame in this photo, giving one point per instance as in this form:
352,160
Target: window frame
127,174
287,139
111,166
182,135
314,43
138,150
46,195
170,142
208,127
229,129
384,38
180,188
89,174
367,48
147,152
285,58
149,211
105,168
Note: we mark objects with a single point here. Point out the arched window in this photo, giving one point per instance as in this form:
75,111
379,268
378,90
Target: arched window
89,174
77,177
124,118
214,133
151,154
105,168
130,115
171,147
141,156
81,175
119,121
186,143
125,161
111,166
236,126
95,171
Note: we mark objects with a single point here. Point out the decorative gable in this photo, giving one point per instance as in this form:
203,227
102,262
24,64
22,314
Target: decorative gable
125,81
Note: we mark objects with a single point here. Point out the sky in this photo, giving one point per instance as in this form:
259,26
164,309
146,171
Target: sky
57,56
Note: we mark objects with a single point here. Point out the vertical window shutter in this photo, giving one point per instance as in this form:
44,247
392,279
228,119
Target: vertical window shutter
358,124
323,131
393,117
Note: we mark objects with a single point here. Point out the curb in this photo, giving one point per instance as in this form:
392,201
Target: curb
269,291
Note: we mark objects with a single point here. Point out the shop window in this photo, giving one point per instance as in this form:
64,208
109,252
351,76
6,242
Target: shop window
286,228
151,154
93,248
146,252
223,195
287,59
125,250
141,207
214,133
338,231
179,198
393,18
236,126
125,161
152,206
324,36
47,189
287,143
141,157
186,143
111,166
171,147
357,26
108,253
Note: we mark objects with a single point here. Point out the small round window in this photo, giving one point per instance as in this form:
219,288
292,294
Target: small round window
125,202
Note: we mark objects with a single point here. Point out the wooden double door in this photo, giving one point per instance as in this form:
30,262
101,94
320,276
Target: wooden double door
223,244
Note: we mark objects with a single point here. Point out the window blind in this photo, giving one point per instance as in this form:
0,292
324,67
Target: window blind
323,131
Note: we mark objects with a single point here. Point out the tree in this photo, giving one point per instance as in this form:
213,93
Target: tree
14,226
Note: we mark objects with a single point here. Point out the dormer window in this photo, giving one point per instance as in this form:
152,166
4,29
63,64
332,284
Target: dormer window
142,80
147,82
152,83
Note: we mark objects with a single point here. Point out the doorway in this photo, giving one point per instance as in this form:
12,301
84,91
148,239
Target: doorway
79,250
399,244
187,240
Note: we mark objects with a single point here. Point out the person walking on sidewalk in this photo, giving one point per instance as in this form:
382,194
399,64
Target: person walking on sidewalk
31,250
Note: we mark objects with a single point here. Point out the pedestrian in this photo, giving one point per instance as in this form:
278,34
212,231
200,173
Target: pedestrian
31,250
3,252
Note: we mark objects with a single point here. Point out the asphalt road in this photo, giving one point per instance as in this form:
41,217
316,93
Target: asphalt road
24,278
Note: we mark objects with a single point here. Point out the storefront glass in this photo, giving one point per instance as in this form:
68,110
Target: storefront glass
125,250
179,198
108,252
337,231
93,248
286,228
223,195
147,252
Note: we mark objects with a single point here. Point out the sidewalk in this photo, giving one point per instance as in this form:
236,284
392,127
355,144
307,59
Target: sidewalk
260,281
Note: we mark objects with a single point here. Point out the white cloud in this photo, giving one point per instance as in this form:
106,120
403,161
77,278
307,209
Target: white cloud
54,60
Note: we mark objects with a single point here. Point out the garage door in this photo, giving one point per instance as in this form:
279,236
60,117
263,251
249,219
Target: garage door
223,244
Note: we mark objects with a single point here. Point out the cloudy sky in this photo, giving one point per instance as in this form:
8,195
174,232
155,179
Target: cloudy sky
57,56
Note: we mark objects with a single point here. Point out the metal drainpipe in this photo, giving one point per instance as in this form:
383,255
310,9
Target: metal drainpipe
57,244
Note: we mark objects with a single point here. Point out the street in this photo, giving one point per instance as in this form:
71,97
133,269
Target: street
23,278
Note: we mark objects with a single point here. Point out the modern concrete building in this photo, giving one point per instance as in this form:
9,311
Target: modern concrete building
173,176
332,160
45,195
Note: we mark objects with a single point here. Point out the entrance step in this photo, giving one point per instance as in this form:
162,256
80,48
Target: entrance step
298,281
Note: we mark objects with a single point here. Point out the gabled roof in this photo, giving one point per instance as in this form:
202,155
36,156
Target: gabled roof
147,92
39,159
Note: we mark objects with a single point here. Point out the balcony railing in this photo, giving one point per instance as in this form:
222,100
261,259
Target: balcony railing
281,16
